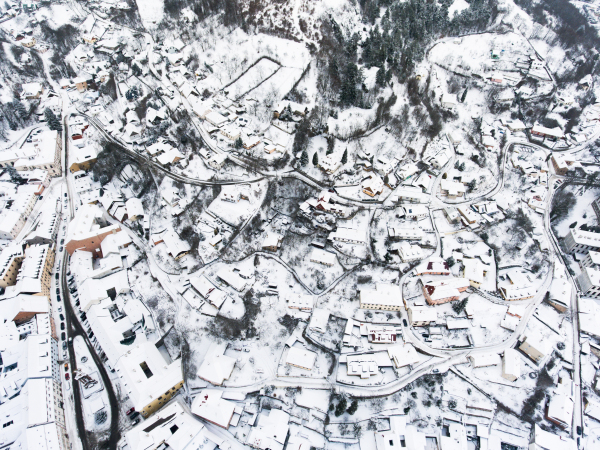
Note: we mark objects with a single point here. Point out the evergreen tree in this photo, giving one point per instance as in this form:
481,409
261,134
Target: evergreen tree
52,121
330,145
348,91
341,407
345,157
239,143
19,109
304,158
315,159
386,180
15,177
380,77
464,96
353,407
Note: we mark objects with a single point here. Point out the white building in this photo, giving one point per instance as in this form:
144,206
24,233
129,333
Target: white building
271,430
579,241
323,257
216,366
210,406
387,297
148,378
421,316
410,253
403,355
511,364
300,357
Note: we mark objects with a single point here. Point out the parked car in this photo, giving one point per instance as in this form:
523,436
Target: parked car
130,411
57,276
66,366
405,322
134,415
67,376
60,309
77,303
65,194
57,290
63,336
135,422
58,298
61,317
62,325
62,241
64,345
72,290
61,249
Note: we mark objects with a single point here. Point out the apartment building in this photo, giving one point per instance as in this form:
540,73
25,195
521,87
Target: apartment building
88,229
579,241
11,259
35,275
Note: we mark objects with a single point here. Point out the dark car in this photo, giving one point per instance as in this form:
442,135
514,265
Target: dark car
64,345
130,411
405,322
58,298
578,430
65,194
72,290
134,415
77,303
62,325
57,276
61,249
57,290
63,336
61,317
83,317
62,241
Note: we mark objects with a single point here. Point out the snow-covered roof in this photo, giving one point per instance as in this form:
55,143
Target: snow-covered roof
301,357
216,366
210,406
403,355
146,374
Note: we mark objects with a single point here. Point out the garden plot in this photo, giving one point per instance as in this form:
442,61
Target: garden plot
471,54
256,75
277,86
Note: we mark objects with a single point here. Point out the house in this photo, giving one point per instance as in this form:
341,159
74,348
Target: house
135,209
349,236
215,119
301,358
421,316
216,367
449,101
474,271
544,440
410,253
407,233
176,247
435,266
560,164
217,161
410,194
536,347
516,125
559,409
469,216
31,91
81,84
484,359
416,212
385,297
318,320
271,431
444,290
547,133
380,334
452,189
403,355
272,242
209,405
170,157
372,185
323,257
301,302
363,365
511,364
